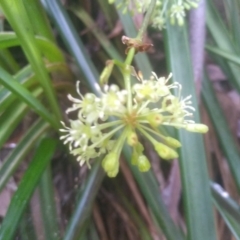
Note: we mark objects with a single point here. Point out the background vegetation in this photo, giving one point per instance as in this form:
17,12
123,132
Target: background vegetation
44,48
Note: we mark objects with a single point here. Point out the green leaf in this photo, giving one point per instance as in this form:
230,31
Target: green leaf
228,56
225,138
195,180
48,48
48,206
39,21
8,62
26,188
27,79
222,38
26,227
224,201
27,142
16,14
232,11
10,119
228,208
14,86
73,43
84,204
100,36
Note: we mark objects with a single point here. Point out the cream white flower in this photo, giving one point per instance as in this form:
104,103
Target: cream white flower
174,10
152,104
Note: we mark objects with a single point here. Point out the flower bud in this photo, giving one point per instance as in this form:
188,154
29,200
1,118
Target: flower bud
172,142
110,162
180,21
155,119
165,152
197,127
132,139
187,6
114,172
106,73
137,151
134,158
139,148
143,164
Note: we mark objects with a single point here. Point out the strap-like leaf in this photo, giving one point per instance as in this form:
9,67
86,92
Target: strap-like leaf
26,188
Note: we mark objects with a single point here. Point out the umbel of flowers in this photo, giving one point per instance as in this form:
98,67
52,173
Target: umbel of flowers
173,10
121,116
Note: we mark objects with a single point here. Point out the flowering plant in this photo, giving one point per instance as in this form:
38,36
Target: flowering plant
130,114
174,10
120,116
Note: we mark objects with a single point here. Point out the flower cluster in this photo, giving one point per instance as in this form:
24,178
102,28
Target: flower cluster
119,117
174,10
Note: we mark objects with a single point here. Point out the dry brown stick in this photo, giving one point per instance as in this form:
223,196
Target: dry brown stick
138,197
99,223
120,210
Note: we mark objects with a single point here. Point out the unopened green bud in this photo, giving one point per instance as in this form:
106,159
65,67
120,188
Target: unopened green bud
110,162
143,163
180,21
139,148
106,73
165,152
114,172
132,139
187,6
137,151
172,142
197,127
155,119
134,158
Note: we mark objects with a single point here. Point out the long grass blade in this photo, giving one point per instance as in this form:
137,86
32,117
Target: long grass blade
102,39
48,206
84,204
222,38
195,180
39,19
27,142
225,202
7,80
234,58
224,135
73,43
16,14
26,187
49,49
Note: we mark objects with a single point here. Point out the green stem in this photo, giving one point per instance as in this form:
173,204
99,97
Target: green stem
107,136
120,142
131,53
127,83
153,132
146,20
109,124
146,134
